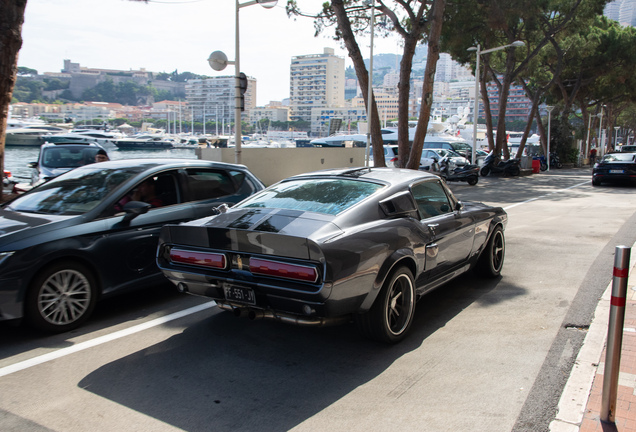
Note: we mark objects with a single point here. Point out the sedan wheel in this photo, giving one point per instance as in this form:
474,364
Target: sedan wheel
492,258
61,297
390,317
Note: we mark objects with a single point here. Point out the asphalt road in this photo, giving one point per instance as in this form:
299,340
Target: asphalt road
483,355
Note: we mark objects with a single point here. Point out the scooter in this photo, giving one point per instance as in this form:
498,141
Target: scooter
468,173
555,162
510,167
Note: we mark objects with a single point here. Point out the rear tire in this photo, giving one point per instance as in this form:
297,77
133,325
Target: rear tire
473,180
491,260
61,297
514,170
391,315
544,166
596,182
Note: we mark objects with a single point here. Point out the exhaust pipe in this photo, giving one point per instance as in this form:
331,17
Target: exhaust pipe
299,320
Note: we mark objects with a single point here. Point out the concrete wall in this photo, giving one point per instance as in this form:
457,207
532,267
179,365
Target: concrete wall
274,164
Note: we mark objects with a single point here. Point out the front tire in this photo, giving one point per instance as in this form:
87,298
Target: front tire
485,171
61,297
391,315
514,170
491,260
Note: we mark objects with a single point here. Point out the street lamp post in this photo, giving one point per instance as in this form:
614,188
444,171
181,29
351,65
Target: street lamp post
479,52
600,126
549,108
218,61
616,128
370,87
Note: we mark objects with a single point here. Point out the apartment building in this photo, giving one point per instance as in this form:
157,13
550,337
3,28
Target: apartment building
213,98
316,81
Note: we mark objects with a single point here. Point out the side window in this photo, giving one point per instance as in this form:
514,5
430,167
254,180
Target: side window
158,190
202,184
431,199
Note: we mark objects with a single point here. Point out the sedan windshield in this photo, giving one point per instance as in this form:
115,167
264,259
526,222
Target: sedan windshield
329,196
72,193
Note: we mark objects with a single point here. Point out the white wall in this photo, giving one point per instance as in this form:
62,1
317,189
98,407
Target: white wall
274,164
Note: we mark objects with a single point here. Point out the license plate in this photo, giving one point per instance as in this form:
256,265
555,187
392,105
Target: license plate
239,294
616,171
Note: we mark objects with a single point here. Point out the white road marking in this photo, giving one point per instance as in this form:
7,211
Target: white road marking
102,339
546,195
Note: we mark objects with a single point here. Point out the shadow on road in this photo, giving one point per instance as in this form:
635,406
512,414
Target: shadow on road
226,373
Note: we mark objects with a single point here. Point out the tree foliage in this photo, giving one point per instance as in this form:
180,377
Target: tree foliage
414,22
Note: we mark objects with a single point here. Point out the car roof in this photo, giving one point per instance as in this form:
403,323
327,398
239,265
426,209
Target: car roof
70,144
168,163
391,176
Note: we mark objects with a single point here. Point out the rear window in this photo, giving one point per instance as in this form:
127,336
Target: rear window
619,157
328,196
68,157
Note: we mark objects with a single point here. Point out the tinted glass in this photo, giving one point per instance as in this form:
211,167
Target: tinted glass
207,184
67,157
329,196
619,157
72,193
431,199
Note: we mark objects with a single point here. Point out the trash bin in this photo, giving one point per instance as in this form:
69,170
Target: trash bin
536,166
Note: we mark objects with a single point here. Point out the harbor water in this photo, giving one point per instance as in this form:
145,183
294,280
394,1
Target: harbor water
17,158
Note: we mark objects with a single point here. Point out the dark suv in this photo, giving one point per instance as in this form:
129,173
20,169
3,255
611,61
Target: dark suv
58,158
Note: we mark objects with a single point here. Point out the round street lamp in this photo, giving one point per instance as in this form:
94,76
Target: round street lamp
218,61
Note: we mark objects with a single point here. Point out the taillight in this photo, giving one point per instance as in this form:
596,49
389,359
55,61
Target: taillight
283,270
203,259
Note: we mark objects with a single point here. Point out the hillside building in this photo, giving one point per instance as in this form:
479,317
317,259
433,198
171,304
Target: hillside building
213,99
316,81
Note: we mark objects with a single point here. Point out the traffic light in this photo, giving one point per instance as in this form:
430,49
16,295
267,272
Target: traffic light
243,89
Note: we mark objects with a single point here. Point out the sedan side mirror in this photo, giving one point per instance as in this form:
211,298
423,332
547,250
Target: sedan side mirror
459,206
134,209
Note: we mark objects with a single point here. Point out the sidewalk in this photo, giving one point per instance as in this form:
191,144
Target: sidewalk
580,405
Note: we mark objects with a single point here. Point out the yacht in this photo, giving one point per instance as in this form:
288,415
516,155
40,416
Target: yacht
104,138
145,142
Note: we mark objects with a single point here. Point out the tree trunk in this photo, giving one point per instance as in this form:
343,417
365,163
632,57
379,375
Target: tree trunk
344,27
435,31
11,20
404,93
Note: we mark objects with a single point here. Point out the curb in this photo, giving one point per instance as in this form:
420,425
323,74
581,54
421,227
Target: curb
573,403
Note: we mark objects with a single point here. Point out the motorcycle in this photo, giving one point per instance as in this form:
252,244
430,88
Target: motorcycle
449,172
555,162
543,163
510,167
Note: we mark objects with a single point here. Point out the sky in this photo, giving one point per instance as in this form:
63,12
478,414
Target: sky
164,35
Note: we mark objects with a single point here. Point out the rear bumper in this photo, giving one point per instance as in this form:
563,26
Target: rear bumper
267,297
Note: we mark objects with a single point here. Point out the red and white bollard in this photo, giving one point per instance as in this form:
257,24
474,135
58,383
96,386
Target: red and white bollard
615,334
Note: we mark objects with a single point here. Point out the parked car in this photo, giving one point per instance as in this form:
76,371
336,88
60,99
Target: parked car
390,155
456,145
92,232
429,156
627,148
329,246
615,167
57,158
